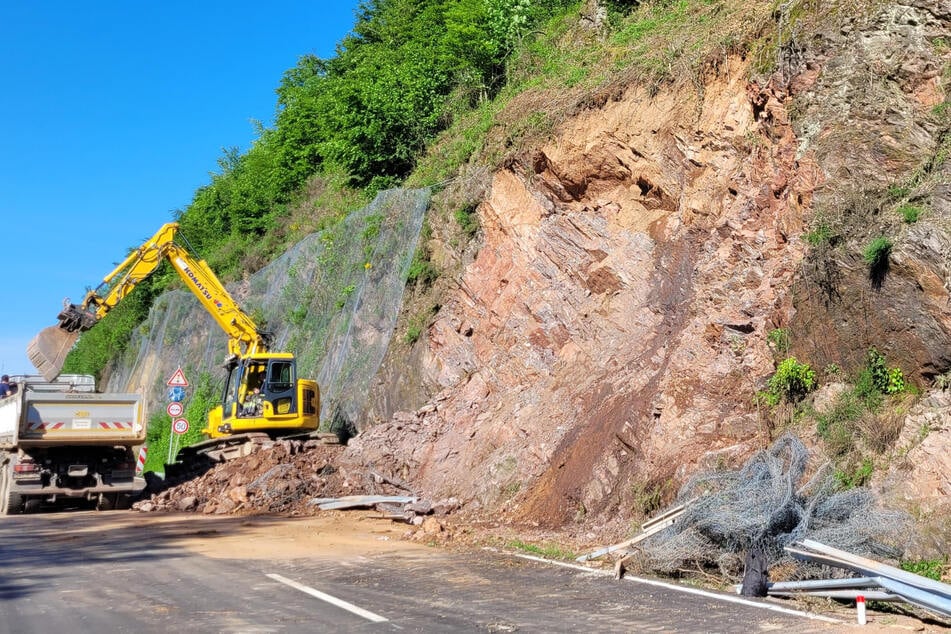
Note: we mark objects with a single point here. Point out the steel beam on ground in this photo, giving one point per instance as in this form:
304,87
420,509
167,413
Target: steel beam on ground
921,591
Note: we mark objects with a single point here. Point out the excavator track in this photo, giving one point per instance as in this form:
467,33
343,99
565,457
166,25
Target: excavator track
194,460
240,445
226,448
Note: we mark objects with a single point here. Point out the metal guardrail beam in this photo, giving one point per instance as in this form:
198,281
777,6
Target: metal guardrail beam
654,528
921,598
847,594
820,584
650,527
874,568
921,591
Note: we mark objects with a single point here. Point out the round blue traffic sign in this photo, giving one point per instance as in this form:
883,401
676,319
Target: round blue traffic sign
176,394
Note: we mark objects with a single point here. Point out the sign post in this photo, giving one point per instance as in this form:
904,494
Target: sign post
176,394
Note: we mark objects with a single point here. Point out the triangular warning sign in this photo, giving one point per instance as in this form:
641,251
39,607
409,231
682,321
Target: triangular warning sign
178,379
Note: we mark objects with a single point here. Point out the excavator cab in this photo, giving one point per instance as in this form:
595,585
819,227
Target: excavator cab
263,394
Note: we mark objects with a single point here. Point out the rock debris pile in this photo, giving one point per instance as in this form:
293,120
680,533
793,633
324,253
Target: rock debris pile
285,477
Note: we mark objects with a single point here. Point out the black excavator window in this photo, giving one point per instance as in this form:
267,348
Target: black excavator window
280,387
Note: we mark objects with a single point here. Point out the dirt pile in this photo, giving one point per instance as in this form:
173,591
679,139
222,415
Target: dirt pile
281,477
291,478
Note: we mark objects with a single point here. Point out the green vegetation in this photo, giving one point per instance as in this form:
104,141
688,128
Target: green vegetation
884,379
413,331
832,370
418,323
837,426
549,551
857,426
855,476
468,220
930,568
778,338
820,234
910,213
791,382
421,270
876,253
898,192
345,294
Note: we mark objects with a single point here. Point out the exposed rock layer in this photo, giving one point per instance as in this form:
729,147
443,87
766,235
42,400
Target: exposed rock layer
611,334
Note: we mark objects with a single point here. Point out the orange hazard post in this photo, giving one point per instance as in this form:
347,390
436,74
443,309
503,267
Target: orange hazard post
140,463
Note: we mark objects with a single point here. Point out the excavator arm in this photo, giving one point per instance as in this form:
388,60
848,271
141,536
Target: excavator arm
48,349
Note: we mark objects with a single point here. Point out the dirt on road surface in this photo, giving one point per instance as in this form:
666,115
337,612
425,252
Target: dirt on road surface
332,534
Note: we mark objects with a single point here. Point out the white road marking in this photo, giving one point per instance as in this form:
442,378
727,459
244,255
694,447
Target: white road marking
340,603
703,593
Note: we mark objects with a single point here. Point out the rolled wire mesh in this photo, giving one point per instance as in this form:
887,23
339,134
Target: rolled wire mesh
770,502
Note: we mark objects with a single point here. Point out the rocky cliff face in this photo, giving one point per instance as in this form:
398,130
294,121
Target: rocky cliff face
609,337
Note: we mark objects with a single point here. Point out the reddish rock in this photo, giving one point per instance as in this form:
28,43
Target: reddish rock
239,494
187,503
612,331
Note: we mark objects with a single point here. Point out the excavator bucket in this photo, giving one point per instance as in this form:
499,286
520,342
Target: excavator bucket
48,350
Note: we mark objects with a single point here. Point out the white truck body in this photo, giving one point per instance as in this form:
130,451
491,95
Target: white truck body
62,440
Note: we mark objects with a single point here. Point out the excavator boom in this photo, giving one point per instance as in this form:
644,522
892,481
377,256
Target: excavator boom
47,351
288,404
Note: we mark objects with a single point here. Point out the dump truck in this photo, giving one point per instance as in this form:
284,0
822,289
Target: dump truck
62,442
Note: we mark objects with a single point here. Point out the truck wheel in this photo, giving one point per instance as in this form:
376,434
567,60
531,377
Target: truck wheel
107,501
10,503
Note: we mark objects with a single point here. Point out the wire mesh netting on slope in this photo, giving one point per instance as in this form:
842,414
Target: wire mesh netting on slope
332,300
769,503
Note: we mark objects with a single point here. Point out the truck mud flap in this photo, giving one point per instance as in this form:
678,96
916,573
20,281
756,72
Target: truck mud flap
10,502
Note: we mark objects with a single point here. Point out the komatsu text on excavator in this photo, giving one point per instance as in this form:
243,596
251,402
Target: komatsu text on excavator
262,392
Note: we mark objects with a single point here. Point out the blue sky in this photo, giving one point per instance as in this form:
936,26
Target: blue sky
113,114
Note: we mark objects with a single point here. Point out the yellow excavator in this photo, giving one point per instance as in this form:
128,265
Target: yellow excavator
262,394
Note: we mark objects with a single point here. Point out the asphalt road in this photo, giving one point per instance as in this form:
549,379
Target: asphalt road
60,574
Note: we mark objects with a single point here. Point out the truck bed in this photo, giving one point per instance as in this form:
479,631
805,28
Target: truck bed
46,419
